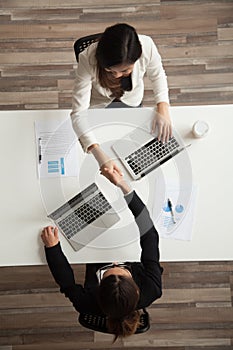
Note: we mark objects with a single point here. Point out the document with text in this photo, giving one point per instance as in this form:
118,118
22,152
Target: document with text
57,149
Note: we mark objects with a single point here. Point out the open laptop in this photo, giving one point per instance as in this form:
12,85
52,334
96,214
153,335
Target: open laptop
84,217
141,152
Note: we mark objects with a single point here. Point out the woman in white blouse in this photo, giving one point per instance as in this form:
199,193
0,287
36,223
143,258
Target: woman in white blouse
110,73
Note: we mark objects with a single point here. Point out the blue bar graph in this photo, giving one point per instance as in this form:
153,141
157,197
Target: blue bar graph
53,166
62,166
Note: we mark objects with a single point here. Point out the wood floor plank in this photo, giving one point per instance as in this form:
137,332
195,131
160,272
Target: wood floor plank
176,334
191,9
37,318
195,80
23,97
225,33
38,58
199,266
60,4
195,52
180,342
195,295
192,315
41,300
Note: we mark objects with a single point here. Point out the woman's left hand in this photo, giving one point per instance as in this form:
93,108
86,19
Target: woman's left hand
162,121
49,236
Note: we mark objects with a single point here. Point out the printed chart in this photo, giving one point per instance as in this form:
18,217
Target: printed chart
57,151
177,213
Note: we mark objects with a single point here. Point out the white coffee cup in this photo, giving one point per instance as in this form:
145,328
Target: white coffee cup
200,128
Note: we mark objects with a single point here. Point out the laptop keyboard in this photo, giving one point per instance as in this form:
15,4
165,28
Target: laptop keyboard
84,215
150,153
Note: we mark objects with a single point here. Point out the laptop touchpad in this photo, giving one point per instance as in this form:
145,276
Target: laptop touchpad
140,136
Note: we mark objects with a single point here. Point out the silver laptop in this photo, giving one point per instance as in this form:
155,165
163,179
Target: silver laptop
141,152
84,217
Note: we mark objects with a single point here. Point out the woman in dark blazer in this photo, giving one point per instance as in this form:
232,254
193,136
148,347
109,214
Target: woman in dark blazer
118,290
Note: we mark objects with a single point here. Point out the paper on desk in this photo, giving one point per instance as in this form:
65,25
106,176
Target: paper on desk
57,152
183,203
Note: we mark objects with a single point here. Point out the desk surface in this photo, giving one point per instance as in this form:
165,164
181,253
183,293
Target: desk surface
25,201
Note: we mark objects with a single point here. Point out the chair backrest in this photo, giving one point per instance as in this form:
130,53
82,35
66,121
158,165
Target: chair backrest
99,323
82,43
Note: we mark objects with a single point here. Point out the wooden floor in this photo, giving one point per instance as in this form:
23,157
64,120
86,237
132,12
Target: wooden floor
194,313
194,37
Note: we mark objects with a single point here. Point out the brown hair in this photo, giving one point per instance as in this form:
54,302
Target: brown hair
118,298
119,44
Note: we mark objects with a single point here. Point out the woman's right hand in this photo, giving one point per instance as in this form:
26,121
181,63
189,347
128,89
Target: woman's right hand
103,159
118,180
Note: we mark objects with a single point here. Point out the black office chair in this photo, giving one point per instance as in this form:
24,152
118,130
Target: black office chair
98,323
82,43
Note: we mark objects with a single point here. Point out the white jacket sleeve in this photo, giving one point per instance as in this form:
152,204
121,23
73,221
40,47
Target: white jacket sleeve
81,101
156,74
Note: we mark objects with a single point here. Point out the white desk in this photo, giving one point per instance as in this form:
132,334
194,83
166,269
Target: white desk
25,200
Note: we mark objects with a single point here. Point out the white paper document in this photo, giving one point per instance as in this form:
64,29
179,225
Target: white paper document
57,152
177,213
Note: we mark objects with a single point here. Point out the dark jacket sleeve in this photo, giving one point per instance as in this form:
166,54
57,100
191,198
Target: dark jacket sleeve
149,241
59,266
81,298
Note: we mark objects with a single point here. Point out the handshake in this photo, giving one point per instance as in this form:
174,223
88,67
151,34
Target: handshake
109,168
116,177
